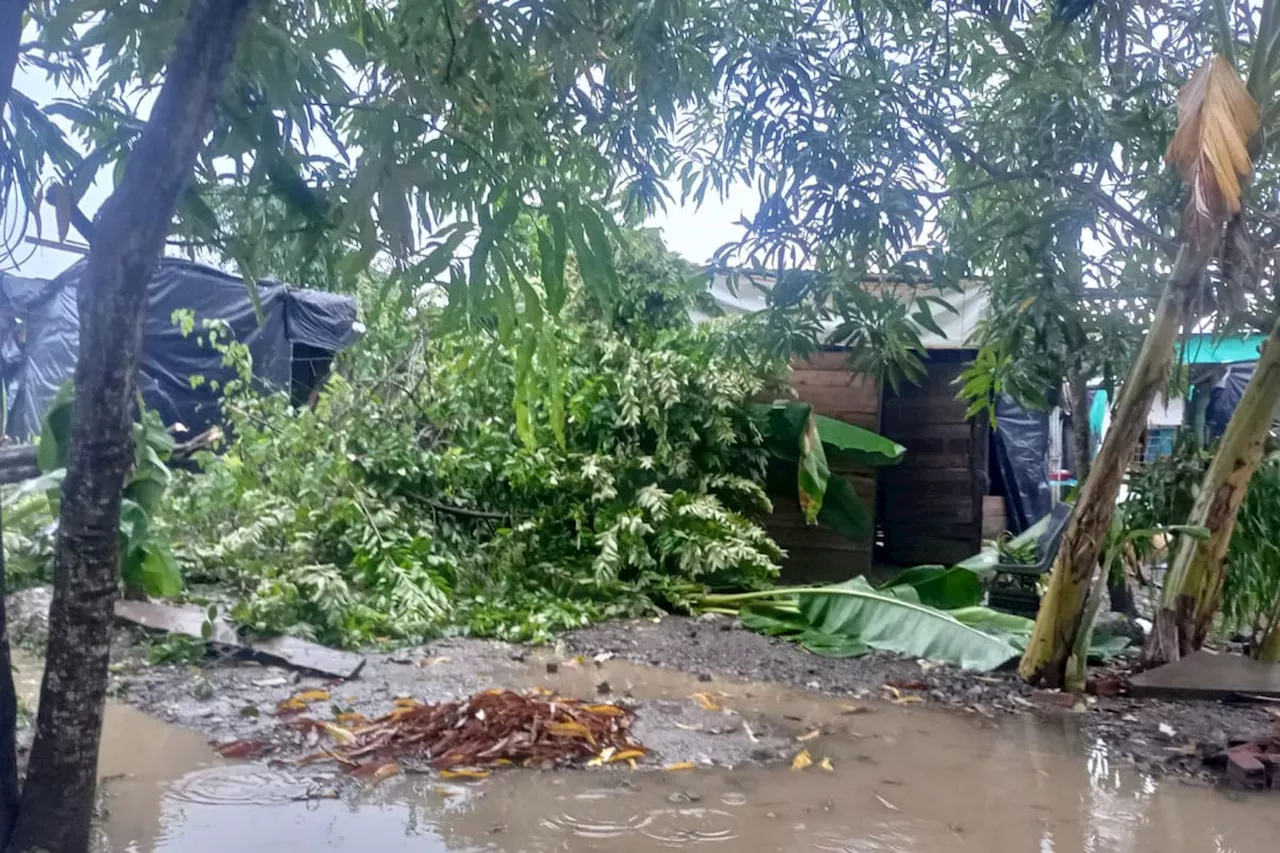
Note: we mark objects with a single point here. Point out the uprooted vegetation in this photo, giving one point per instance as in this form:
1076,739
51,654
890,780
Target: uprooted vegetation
414,498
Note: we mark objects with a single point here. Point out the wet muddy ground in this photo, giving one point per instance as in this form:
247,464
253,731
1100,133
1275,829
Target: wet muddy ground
908,779
943,761
1159,736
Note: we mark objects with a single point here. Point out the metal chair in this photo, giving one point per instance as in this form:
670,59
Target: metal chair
1019,594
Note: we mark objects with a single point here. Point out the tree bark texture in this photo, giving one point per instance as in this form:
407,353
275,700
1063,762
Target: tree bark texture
1058,621
1269,646
131,226
8,720
1192,593
11,15
1078,388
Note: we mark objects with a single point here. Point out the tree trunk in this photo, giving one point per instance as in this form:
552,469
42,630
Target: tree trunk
1058,622
8,720
1269,646
57,799
1078,387
1192,591
11,15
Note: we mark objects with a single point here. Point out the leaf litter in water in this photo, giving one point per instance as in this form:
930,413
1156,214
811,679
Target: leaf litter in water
825,764
707,702
492,728
680,765
813,735
802,760
246,749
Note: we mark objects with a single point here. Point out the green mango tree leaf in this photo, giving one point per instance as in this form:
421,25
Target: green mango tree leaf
854,609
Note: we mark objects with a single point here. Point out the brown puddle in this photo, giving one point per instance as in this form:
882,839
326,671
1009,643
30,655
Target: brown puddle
903,779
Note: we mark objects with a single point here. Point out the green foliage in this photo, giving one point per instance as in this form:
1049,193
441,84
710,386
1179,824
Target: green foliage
852,616
414,499
179,649
1253,573
31,509
800,442
1162,492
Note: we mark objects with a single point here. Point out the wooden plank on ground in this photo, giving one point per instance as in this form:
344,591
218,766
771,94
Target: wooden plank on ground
1210,676
189,620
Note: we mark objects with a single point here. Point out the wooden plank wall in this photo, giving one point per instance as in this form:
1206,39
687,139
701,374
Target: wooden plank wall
816,554
930,506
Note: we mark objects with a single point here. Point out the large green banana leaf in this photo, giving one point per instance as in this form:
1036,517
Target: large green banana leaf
939,586
884,621
801,440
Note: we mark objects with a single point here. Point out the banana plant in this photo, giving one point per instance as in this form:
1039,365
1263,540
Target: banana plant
802,443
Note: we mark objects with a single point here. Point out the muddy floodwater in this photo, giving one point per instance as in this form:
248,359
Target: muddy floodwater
901,778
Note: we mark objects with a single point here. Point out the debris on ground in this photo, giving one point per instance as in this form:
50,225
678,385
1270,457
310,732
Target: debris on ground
1252,765
491,729
199,624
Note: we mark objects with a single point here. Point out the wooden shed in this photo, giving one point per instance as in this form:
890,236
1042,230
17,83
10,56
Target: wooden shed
929,507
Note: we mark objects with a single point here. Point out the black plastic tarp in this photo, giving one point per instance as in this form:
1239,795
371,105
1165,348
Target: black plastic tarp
1021,445
1225,396
40,336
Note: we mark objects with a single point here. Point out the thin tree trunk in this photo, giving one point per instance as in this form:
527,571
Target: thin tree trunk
57,799
1058,621
1192,591
11,15
1078,387
1269,646
9,789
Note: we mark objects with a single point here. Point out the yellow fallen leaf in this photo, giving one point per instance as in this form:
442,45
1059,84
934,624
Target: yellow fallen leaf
632,762
542,691
707,702
464,773
810,736
576,660
688,727
406,702
627,755
291,705
892,691
339,734
313,696
680,765
386,771
570,729
906,700
434,661
604,710
802,760
351,718
595,762
825,764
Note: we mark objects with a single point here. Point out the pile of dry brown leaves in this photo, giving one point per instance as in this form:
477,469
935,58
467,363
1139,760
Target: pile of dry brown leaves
493,728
